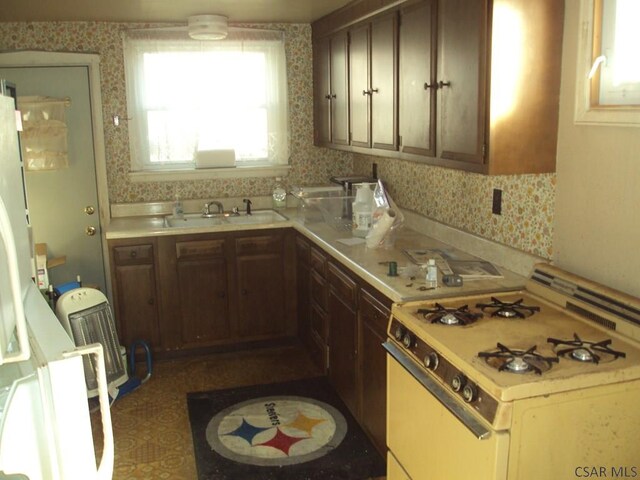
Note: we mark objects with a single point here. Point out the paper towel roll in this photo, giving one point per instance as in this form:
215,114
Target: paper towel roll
380,229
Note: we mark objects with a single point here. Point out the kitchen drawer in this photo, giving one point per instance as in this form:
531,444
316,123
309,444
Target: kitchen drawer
259,244
319,291
343,286
319,261
374,312
133,255
200,248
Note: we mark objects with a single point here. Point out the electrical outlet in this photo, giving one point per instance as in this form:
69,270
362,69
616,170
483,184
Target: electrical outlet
496,207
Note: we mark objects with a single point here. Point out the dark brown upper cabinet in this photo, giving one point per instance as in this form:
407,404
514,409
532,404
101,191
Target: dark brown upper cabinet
330,90
478,82
372,84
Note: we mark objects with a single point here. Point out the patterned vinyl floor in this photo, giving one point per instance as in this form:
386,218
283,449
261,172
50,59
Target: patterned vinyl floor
151,425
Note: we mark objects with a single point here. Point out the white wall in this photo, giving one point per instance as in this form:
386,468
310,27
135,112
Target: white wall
597,219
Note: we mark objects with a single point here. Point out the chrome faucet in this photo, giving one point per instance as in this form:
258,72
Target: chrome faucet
206,212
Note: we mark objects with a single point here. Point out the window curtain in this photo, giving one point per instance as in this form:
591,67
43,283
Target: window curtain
175,99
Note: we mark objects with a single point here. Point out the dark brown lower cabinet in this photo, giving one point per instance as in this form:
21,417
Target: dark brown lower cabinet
373,318
343,334
134,290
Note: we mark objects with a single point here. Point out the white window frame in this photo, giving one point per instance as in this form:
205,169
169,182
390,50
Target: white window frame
142,170
585,112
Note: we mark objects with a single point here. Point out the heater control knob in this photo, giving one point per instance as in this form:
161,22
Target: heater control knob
407,340
469,393
431,361
458,382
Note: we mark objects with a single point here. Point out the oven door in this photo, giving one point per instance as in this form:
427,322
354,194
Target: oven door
432,434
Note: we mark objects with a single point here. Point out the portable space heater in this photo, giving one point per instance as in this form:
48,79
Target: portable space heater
86,316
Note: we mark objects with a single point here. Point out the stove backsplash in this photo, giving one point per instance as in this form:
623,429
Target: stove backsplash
463,200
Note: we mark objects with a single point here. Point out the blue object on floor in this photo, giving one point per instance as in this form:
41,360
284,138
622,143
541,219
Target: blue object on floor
134,382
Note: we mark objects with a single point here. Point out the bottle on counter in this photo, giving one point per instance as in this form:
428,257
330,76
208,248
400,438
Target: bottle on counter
178,209
362,210
432,273
279,195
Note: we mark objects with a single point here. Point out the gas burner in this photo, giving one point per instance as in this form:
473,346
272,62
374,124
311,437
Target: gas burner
449,316
518,361
585,351
508,309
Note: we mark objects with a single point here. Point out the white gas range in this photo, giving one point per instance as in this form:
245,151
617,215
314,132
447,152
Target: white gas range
542,383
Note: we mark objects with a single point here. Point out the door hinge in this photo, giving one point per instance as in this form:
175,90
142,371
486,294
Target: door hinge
484,150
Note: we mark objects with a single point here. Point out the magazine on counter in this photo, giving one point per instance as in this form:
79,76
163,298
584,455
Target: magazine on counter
474,269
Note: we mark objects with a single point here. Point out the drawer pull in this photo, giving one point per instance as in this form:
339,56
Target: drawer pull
133,254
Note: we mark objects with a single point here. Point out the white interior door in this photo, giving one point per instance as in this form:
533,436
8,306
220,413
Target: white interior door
59,200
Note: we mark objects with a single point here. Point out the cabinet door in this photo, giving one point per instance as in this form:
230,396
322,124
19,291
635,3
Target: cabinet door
339,89
137,312
462,35
203,299
261,295
343,331
374,317
360,86
303,294
384,104
417,79
321,92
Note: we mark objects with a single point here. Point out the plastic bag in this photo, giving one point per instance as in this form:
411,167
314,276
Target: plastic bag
387,219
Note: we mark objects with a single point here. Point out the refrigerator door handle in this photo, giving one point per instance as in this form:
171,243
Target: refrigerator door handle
105,467
24,351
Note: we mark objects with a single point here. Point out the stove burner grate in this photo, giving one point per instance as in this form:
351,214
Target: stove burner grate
508,309
518,361
449,315
585,351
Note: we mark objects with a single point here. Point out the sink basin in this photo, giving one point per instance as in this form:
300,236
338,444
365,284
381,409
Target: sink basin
257,217
194,220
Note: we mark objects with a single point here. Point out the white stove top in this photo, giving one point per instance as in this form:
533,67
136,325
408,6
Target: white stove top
460,345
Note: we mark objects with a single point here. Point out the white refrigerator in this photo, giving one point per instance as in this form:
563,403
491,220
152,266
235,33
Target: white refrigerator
45,425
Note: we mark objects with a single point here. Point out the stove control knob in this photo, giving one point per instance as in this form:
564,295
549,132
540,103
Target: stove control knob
399,333
407,340
431,361
458,382
469,393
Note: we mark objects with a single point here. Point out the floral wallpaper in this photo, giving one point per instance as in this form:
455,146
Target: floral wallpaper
310,165
464,200
460,199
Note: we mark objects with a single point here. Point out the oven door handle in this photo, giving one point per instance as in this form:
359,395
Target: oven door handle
433,387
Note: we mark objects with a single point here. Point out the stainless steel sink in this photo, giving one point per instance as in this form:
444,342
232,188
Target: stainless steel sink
257,217
190,220
194,220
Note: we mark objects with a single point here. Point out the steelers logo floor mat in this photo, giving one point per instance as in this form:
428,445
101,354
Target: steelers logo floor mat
296,430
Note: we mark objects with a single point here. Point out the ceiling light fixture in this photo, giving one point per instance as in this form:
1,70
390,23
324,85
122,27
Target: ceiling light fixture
208,27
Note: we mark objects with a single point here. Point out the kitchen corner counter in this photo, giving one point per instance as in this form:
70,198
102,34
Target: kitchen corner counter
371,265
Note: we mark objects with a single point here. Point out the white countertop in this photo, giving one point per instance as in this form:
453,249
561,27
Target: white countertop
370,265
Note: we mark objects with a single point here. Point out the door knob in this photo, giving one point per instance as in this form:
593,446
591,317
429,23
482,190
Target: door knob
90,231
89,210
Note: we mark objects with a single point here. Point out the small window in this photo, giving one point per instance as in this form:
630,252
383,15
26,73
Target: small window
186,97
609,65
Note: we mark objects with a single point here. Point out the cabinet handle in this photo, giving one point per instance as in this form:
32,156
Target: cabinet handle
151,301
427,86
222,294
133,254
442,84
333,95
374,90
328,97
244,291
366,92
